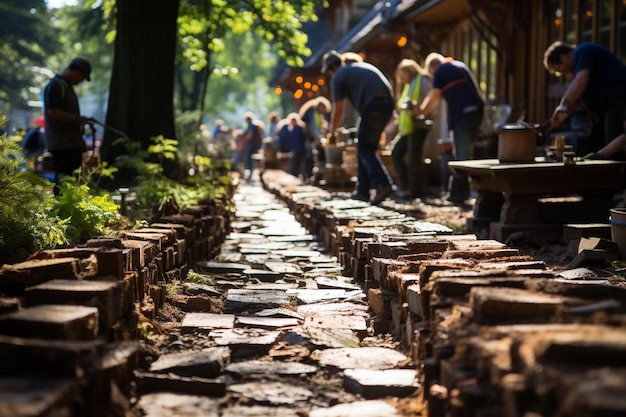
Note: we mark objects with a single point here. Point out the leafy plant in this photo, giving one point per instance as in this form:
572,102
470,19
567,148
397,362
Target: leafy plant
154,189
87,215
26,201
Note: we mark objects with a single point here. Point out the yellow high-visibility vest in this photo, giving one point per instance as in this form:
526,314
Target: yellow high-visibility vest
405,119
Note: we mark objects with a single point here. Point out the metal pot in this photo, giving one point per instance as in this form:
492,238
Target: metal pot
517,143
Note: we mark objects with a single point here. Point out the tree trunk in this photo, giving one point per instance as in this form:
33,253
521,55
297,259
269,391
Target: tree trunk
142,80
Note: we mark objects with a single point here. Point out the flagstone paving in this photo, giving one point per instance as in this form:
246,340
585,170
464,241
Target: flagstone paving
287,334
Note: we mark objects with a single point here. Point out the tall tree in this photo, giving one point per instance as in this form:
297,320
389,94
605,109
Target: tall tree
142,79
141,94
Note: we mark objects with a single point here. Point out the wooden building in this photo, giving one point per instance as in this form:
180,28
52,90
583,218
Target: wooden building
502,41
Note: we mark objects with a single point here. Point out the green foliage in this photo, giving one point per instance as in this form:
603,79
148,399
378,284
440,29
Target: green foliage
26,37
206,22
87,215
25,204
255,61
153,188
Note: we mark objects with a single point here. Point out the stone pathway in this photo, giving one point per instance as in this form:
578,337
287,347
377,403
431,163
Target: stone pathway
281,331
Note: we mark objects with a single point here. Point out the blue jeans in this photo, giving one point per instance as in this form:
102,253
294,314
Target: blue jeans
465,134
371,172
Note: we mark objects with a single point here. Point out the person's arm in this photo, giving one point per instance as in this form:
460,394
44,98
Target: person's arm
431,101
571,97
336,117
65,116
611,148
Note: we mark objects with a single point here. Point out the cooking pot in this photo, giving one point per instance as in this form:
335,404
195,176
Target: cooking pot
517,143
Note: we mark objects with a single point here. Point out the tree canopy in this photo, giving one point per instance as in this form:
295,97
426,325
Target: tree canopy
26,38
154,36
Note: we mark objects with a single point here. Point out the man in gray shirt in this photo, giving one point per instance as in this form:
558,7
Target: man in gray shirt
371,95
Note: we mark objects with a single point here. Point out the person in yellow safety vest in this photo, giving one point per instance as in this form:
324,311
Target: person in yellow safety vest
406,154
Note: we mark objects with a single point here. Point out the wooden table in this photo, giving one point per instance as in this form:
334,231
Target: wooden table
541,196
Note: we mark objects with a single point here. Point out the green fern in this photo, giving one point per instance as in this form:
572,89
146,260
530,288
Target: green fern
26,203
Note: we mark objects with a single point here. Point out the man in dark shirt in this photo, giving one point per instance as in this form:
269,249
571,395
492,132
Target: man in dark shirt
454,81
371,95
599,83
64,136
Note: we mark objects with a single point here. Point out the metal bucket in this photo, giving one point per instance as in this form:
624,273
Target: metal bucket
517,143
618,230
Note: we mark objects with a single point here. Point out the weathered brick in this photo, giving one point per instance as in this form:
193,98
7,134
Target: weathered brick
52,322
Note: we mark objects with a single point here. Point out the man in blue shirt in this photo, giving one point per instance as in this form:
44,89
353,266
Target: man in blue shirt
454,81
599,83
371,95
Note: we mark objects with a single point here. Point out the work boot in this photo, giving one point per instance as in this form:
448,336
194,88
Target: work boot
381,194
360,196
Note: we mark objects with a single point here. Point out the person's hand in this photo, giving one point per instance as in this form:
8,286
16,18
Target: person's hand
593,155
559,114
82,120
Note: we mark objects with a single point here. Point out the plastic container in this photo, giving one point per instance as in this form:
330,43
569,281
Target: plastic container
517,143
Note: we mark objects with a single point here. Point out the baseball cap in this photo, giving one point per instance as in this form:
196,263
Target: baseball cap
330,59
82,65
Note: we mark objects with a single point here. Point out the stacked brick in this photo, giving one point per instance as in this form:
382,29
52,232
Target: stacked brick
492,332
70,319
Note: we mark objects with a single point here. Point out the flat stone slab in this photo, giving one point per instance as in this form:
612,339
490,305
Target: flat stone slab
270,368
207,321
267,246
325,282
279,312
266,322
360,409
207,363
242,299
274,286
156,382
308,296
24,397
168,404
579,274
221,267
326,338
361,357
263,274
196,289
284,268
336,321
333,308
272,392
372,383
259,411
298,253
229,337
52,322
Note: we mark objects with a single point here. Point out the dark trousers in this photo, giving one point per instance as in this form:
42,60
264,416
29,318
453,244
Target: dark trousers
66,161
407,159
371,172
465,134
